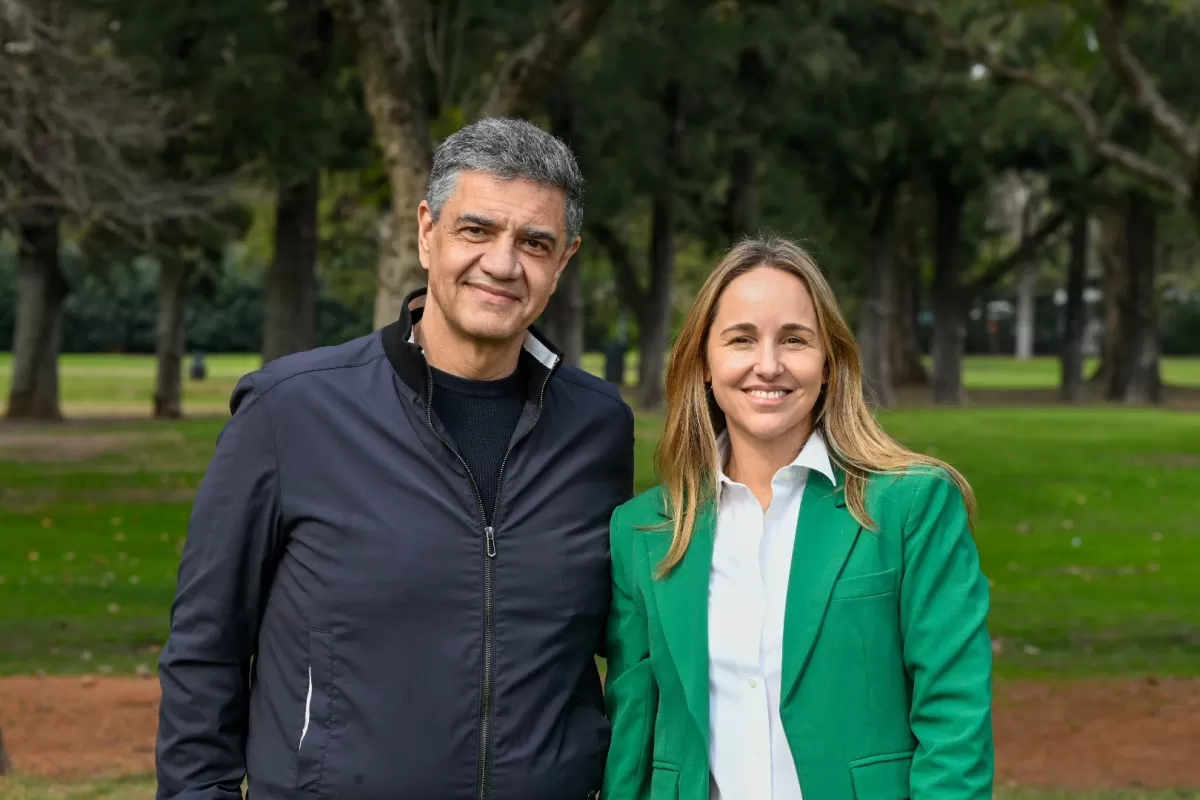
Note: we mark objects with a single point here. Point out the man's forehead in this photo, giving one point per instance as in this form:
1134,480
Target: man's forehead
516,203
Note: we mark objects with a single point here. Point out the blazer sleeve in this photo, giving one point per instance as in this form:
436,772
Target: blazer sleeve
631,692
944,599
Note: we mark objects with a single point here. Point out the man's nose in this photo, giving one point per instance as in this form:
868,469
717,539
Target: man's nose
501,261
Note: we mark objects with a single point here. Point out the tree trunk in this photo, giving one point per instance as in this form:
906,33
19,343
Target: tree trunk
1026,295
5,763
1134,374
654,312
949,301
875,319
37,337
290,315
564,315
1075,312
1111,225
390,48
907,368
564,312
170,339
389,40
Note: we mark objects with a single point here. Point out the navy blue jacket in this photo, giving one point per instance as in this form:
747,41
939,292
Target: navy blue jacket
346,625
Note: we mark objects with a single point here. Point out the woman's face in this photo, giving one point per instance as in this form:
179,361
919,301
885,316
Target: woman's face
765,357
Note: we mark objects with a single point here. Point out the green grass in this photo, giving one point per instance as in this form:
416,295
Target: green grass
1087,529
124,384
142,788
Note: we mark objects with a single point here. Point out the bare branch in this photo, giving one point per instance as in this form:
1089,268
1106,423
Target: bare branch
80,133
526,76
1111,35
1057,92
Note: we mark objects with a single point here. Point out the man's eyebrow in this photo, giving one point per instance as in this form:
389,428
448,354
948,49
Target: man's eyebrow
475,219
538,233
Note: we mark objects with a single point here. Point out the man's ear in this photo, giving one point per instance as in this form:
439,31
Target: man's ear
564,260
425,224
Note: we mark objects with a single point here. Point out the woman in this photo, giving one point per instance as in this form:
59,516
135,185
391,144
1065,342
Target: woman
799,606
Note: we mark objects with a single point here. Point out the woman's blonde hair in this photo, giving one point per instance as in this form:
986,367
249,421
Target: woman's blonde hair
687,454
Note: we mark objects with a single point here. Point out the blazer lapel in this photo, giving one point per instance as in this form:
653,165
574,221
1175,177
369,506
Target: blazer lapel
682,599
825,535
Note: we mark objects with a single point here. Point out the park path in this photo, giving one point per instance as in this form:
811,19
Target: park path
1080,734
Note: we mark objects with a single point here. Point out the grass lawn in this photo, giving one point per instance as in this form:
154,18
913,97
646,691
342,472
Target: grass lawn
1088,531
136,788
124,384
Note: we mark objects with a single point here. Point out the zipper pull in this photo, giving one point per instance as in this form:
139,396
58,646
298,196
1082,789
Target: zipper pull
490,532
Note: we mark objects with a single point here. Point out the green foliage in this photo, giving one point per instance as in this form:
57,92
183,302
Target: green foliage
115,310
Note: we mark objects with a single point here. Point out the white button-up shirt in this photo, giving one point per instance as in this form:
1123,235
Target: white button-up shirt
747,592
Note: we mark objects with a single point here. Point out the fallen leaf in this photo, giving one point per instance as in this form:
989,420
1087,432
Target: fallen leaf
33,556
47,523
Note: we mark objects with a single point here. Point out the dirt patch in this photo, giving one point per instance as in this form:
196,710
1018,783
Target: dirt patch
66,445
1098,733
1083,734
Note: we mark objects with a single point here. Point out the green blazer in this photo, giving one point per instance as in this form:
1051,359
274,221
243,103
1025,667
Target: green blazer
886,657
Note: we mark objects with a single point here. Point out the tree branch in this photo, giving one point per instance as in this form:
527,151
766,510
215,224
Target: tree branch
1055,91
526,76
1024,251
1181,135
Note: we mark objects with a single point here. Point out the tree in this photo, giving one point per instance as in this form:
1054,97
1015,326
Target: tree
390,43
78,131
1109,23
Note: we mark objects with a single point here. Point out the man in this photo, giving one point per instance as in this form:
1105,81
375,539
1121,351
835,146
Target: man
407,534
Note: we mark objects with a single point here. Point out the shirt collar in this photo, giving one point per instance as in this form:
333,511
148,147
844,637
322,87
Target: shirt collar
814,456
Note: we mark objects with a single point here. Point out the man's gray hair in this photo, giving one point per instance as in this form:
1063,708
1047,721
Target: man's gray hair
507,149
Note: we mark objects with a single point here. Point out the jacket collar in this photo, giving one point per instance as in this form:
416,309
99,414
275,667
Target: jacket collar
539,358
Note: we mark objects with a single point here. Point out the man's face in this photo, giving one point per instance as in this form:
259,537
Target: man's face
495,254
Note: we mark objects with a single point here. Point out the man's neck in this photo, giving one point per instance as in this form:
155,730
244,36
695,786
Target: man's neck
449,351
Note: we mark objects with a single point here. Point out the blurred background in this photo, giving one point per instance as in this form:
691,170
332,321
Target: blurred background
1005,196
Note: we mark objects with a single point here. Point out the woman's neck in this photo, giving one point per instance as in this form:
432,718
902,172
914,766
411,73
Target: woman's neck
754,462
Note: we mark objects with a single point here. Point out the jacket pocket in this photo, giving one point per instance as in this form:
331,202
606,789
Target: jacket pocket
885,777
875,583
312,741
664,783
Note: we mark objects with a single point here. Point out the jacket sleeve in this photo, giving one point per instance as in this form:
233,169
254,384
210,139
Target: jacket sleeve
944,600
624,482
228,559
631,692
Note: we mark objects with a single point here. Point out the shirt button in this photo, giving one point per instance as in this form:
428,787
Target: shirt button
753,683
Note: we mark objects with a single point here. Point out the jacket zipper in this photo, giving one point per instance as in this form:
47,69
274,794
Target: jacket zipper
489,532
